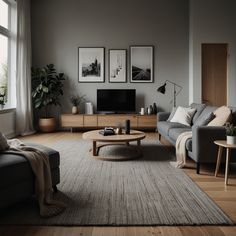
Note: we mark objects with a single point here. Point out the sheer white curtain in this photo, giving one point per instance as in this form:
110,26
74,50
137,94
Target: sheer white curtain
24,113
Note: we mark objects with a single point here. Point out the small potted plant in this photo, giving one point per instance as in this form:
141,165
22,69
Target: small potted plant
231,133
47,88
75,101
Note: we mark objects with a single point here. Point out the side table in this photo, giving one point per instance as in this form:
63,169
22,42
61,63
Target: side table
223,144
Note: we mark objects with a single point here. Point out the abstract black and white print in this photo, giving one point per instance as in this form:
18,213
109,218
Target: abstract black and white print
117,65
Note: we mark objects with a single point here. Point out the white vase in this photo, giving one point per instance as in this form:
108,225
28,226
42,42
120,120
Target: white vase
74,110
231,140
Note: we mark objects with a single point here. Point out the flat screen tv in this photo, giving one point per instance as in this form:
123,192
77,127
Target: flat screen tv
116,100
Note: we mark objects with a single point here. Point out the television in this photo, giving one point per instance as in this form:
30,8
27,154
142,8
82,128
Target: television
116,100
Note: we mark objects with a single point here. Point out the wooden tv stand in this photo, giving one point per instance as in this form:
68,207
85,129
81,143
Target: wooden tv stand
96,121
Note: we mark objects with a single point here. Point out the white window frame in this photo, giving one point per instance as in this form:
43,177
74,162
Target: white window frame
10,33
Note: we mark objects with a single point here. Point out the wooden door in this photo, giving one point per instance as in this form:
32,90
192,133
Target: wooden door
214,74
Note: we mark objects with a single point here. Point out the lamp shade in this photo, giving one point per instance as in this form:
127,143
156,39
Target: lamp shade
162,89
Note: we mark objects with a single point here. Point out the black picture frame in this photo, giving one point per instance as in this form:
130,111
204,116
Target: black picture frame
141,64
117,66
91,64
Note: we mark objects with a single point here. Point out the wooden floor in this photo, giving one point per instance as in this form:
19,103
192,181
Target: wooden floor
225,197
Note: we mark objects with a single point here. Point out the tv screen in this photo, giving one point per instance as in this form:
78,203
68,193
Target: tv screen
116,100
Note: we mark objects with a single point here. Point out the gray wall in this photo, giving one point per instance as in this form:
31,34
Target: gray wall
211,21
59,27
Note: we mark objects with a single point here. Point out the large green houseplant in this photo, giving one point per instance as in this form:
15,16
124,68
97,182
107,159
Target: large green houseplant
47,87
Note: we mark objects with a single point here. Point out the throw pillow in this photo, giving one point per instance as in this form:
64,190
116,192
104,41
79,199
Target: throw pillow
3,143
183,115
222,115
172,113
199,107
205,119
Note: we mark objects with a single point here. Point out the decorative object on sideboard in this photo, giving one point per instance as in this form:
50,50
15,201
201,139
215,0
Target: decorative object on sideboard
162,89
117,65
141,64
75,101
91,64
230,133
142,111
88,108
47,88
154,108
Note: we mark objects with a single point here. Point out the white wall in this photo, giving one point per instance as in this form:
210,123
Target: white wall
59,27
211,21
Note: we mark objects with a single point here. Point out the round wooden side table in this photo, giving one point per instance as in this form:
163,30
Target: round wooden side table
223,144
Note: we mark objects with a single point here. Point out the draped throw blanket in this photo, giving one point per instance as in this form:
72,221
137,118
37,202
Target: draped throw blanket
43,183
181,152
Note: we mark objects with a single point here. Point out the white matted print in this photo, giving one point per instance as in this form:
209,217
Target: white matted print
141,64
117,65
91,64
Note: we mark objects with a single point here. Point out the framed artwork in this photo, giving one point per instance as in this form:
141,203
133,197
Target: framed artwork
117,65
141,64
91,64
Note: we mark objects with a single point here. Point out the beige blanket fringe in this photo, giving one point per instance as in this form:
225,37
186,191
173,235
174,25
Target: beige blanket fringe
43,183
181,152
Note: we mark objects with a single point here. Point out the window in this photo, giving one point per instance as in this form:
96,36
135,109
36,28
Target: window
7,52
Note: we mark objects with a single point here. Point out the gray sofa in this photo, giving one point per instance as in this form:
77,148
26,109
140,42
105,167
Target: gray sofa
17,178
201,147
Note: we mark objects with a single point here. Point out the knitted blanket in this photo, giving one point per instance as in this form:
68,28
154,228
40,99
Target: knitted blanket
181,152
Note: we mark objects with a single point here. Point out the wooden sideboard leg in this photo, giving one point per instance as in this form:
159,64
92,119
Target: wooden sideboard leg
159,137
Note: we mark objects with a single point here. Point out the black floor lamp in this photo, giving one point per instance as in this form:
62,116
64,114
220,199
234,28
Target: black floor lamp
162,89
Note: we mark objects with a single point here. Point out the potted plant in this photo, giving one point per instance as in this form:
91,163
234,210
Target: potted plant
75,101
47,87
231,133
2,97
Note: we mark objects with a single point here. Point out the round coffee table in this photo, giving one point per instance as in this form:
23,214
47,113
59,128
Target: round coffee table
118,139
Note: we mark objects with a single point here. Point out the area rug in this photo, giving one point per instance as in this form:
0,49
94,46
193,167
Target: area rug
146,191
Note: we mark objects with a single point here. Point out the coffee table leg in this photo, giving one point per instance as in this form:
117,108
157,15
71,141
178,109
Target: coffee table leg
94,148
127,143
139,142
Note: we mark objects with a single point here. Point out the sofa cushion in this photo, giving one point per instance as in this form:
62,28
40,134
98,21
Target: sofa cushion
175,132
15,168
3,143
172,113
204,119
222,115
233,115
183,115
164,126
199,108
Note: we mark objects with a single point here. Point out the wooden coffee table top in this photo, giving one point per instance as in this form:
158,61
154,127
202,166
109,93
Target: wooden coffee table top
94,135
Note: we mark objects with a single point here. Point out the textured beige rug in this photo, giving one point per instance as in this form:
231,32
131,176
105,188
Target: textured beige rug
146,191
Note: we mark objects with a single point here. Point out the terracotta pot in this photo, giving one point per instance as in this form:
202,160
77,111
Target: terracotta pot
75,110
47,125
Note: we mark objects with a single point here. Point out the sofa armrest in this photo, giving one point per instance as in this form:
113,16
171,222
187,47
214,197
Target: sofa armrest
163,116
204,149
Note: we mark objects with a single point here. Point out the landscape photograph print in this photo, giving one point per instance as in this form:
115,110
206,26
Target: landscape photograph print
91,64
141,64
117,65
